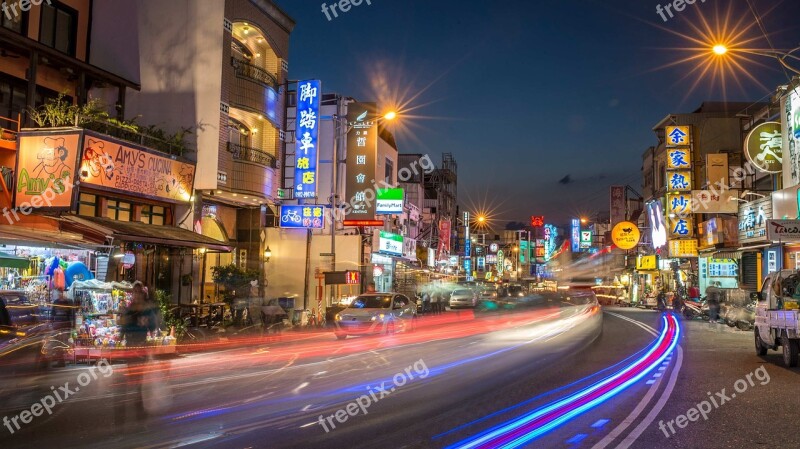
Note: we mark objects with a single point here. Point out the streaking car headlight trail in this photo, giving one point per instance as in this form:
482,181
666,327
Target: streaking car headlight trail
522,430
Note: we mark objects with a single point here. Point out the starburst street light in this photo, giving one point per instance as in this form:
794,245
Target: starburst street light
720,49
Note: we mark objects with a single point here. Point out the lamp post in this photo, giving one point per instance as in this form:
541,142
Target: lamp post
722,50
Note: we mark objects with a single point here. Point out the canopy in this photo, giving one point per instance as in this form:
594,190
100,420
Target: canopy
10,261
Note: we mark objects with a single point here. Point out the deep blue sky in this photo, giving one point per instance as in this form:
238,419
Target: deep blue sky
524,93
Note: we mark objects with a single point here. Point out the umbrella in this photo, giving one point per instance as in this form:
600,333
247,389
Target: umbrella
10,261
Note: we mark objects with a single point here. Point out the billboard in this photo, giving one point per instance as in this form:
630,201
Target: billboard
117,166
576,235
389,201
617,210
302,217
658,227
362,154
444,239
389,243
763,147
625,235
45,174
790,107
307,138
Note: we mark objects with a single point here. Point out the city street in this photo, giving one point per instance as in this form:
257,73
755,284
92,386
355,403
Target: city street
466,382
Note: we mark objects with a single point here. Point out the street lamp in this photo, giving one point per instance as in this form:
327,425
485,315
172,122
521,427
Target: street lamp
723,50
720,49
267,254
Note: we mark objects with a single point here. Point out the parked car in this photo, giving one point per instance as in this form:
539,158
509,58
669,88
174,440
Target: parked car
376,313
463,297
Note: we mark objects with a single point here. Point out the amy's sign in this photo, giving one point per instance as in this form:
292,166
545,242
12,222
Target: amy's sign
45,171
111,165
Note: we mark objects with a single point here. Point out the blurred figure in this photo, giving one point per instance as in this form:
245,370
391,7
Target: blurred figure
371,288
694,293
63,312
677,302
426,302
436,303
661,301
713,301
138,321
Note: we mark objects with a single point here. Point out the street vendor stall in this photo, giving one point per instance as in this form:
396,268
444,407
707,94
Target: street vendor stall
97,334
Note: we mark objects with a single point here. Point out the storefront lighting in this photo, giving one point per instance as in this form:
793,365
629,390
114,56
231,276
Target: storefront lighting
202,250
234,194
254,131
244,197
267,254
246,29
219,191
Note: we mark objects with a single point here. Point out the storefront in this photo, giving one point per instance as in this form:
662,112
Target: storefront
758,255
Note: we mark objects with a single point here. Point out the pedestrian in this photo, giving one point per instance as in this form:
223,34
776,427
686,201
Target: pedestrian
138,320
435,301
694,293
661,300
426,302
677,303
713,305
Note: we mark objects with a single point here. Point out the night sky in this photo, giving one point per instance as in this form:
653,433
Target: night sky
543,103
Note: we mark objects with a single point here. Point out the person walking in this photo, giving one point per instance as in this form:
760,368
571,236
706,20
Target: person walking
435,301
139,320
661,301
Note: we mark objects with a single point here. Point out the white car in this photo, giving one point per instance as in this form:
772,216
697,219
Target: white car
376,313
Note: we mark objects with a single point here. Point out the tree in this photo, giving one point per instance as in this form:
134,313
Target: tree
234,279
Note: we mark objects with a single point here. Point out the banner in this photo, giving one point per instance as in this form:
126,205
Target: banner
444,239
362,154
309,93
617,195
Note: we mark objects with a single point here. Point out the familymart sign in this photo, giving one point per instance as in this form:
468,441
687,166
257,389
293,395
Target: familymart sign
389,201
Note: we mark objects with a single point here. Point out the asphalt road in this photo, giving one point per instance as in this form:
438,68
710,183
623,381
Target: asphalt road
455,377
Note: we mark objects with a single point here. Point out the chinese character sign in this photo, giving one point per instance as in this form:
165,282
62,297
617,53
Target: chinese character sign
679,204
307,138
444,239
679,158
576,235
683,248
681,226
302,216
764,147
678,136
680,180
617,204
362,153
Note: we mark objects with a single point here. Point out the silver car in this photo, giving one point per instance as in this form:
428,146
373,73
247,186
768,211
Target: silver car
463,297
376,313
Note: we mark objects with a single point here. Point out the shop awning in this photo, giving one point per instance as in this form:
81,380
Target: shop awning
11,261
43,232
727,254
143,232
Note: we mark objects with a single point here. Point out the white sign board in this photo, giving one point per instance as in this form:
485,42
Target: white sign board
783,230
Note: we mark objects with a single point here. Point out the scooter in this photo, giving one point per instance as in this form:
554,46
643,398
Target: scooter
693,309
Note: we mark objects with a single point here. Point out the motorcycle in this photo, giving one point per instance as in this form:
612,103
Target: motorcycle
694,309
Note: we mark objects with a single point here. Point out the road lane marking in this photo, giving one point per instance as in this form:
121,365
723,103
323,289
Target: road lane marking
654,384
662,401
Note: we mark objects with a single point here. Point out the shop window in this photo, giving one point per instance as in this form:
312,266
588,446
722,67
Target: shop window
155,215
118,210
15,19
58,27
389,171
87,205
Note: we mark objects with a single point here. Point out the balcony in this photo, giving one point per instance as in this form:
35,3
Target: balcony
244,69
128,134
242,153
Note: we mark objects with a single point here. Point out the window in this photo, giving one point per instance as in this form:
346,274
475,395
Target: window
87,205
118,210
389,171
58,27
13,17
155,215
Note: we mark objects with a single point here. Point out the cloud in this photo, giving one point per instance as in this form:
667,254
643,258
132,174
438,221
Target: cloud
565,180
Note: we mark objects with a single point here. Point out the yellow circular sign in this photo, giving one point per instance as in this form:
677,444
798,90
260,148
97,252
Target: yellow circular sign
625,235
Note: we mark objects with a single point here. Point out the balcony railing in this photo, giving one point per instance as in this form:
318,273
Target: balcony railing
247,154
244,69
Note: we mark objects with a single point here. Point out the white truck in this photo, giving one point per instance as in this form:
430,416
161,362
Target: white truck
777,316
